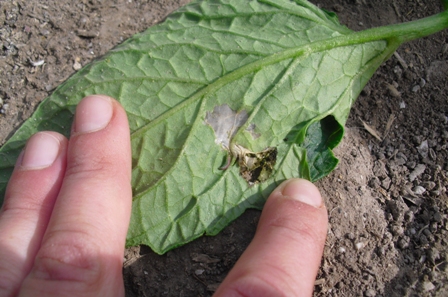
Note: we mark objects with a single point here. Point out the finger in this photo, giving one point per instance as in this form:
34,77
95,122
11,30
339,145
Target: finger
29,200
284,256
83,247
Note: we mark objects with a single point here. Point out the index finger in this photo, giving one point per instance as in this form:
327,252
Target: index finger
82,250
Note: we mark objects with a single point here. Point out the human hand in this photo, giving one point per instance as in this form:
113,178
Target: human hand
284,256
66,212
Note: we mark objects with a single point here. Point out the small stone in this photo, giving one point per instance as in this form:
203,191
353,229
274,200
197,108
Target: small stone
199,271
415,88
374,183
437,217
433,227
419,190
400,155
393,91
429,185
403,244
77,65
423,149
370,293
432,154
360,245
433,255
428,286
400,161
419,169
422,82
409,216
386,183
411,164
397,230
423,239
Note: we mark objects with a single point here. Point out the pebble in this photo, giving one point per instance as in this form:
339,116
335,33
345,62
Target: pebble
393,91
423,239
397,230
432,154
416,88
386,183
403,243
423,149
77,65
429,185
411,164
370,293
360,245
437,217
419,190
374,182
409,216
433,255
433,227
428,286
419,169
422,82
199,271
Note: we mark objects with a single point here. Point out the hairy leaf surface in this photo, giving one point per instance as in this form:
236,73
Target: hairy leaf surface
283,73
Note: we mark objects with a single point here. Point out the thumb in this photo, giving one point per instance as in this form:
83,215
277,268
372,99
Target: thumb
284,256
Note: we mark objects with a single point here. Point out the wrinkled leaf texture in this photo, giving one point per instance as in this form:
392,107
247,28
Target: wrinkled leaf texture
291,66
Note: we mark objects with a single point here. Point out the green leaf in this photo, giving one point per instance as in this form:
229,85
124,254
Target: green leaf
445,4
289,69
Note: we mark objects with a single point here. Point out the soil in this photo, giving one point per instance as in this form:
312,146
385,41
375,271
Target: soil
387,200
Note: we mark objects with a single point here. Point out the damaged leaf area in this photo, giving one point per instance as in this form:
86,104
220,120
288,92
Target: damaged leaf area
254,167
225,123
271,81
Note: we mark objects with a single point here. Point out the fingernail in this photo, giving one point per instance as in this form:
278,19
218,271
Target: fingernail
303,191
40,152
93,113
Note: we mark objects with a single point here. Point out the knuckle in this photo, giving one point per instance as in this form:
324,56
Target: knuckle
69,256
9,281
257,286
87,165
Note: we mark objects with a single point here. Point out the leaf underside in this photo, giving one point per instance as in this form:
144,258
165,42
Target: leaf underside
275,60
